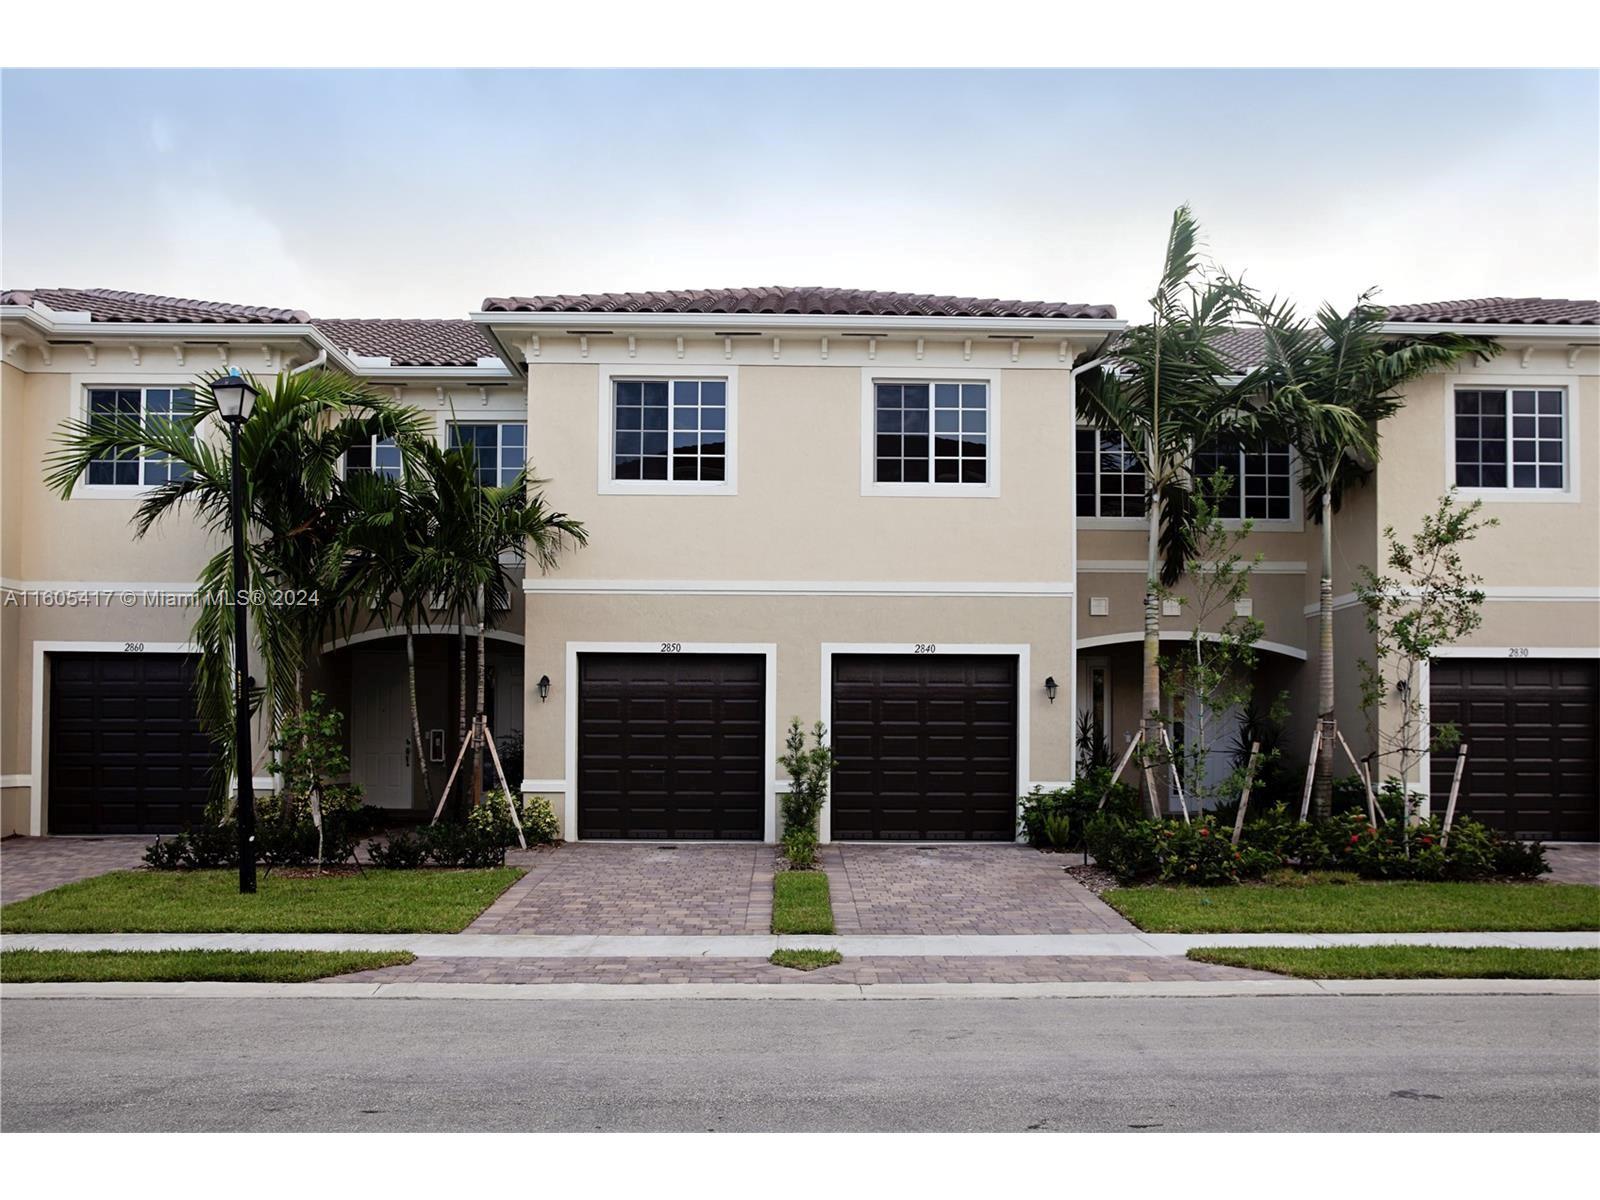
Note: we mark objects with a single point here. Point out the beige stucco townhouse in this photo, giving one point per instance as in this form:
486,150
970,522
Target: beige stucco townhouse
873,509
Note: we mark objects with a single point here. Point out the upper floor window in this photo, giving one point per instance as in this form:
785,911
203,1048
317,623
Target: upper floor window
931,433
1260,479
147,406
670,430
1512,438
379,455
1111,481
501,448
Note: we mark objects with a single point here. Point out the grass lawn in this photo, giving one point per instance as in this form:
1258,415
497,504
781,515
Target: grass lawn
163,966
800,902
209,902
1408,962
805,960
1360,908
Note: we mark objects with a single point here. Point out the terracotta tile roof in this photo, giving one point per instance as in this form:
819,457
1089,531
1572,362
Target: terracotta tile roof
103,304
1242,349
410,342
810,301
1501,310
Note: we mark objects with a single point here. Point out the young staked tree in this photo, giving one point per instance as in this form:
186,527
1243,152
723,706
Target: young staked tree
1332,382
1165,388
474,541
289,451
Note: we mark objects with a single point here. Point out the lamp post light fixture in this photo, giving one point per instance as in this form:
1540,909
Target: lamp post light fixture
544,688
236,400
1050,687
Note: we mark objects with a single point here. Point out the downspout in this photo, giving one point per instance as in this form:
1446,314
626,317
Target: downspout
322,357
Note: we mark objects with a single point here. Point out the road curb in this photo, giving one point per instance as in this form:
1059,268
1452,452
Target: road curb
1188,989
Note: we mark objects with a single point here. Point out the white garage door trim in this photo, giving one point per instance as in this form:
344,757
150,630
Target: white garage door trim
41,771
1021,651
767,650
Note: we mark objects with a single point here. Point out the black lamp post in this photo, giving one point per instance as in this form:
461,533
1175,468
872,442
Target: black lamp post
236,400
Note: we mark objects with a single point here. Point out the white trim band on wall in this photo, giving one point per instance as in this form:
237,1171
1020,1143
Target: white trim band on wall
1183,635
1497,595
795,587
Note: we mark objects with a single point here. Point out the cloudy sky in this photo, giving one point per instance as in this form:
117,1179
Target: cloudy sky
390,193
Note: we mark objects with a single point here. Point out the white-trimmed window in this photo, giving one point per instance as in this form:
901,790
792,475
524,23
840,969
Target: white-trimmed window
1260,479
670,434
1111,481
500,447
1510,438
377,456
931,432
148,406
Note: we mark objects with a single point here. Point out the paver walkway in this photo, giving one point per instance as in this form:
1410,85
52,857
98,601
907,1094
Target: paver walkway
876,969
995,889
1575,862
29,865
607,888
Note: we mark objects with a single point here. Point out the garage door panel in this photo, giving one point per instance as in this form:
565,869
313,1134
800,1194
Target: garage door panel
925,747
127,754
1530,726
671,747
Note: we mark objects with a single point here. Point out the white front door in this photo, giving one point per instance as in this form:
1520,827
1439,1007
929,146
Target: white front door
380,729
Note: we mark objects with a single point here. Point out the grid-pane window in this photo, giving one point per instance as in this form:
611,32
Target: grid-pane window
1520,449
1260,478
378,455
500,448
152,407
673,429
931,433
1111,482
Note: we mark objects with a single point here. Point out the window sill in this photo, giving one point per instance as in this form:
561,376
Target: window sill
666,487
113,491
945,491
1518,495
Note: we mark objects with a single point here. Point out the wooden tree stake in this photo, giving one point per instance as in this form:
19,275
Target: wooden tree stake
1138,736
1450,808
1244,796
1311,773
1172,766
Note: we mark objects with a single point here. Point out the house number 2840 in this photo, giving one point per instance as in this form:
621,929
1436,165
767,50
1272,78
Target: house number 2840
926,648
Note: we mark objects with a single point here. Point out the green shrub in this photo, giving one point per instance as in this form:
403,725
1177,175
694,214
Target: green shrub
1079,804
1058,830
402,852
310,757
492,819
809,771
165,854
459,845
1520,860
202,848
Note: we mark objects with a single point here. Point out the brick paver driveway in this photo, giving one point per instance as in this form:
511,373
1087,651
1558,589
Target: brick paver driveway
1574,862
998,889
607,888
30,865
868,970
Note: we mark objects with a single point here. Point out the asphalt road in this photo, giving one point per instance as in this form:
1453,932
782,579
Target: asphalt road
1314,1063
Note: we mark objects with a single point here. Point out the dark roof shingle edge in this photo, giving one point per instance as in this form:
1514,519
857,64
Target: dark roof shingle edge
1498,310
798,301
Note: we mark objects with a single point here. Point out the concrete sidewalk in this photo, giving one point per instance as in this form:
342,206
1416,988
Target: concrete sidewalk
1065,945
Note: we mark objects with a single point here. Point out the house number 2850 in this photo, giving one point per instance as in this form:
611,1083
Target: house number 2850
672,647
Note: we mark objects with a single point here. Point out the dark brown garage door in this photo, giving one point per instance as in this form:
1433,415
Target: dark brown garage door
925,747
126,751
1530,726
671,746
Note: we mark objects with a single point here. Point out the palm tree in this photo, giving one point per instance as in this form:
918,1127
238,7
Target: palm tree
289,451
1332,382
1163,387
374,554
471,538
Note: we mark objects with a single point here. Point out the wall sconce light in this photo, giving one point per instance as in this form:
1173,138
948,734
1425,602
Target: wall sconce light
1050,687
544,688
